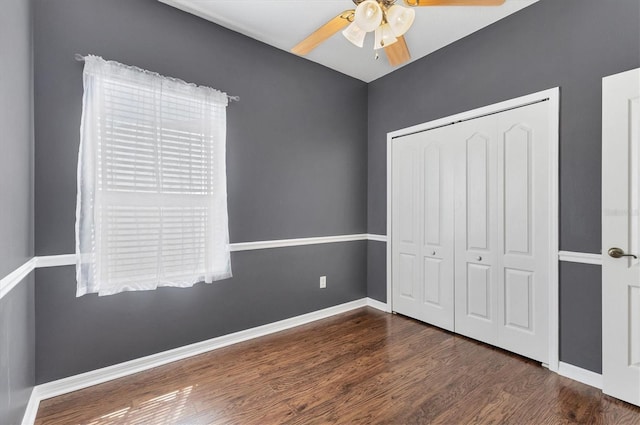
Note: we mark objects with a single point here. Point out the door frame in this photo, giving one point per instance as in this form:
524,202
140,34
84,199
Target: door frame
552,96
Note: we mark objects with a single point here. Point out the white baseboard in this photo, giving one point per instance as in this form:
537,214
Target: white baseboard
581,375
31,412
99,376
377,305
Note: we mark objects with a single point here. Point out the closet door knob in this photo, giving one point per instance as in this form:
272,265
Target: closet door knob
479,258
433,253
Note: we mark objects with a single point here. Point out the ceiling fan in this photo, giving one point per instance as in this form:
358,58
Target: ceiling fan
388,20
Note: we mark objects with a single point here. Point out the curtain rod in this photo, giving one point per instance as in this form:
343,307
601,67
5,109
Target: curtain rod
78,57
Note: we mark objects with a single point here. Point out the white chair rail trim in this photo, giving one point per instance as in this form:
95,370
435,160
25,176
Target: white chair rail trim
18,275
15,277
580,257
280,243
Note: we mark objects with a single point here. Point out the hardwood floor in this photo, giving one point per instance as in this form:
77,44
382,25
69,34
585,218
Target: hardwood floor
362,367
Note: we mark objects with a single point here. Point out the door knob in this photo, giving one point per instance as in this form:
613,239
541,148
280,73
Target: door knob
618,253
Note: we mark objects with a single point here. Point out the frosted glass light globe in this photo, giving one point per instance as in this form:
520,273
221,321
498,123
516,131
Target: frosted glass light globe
368,15
384,37
355,34
400,19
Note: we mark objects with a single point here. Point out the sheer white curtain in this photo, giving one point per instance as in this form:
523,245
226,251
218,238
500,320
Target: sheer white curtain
152,193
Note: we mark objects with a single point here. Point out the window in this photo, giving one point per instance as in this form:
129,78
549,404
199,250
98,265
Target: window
152,200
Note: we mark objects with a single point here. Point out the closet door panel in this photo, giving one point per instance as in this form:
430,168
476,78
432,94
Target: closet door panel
429,205
433,282
479,292
477,192
407,276
437,238
518,299
523,182
407,209
437,241
432,156
406,226
475,282
516,149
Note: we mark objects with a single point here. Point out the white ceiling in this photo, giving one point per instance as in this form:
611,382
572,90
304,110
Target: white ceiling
283,23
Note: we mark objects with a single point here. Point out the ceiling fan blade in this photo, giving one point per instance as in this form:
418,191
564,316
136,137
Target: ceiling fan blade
398,52
324,32
454,2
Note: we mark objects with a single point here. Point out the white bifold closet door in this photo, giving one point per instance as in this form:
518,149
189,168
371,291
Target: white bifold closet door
502,222
476,219
423,228
477,235
523,233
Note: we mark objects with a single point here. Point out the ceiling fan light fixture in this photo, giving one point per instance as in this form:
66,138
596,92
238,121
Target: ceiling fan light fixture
400,19
355,34
384,37
368,15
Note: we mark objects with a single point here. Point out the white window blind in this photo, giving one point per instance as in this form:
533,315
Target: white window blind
152,200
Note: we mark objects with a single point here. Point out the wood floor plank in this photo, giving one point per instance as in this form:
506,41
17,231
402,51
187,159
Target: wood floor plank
361,367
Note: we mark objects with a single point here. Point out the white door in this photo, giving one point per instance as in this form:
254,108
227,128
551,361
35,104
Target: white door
621,230
476,298
523,231
422,227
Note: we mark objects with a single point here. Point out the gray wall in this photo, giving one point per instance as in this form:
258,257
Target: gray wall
581,328
17,353
17,328
571,44
296,148
296,159
83,334
16,147
376,271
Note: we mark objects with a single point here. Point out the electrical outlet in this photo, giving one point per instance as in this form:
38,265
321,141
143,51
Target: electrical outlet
323,281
